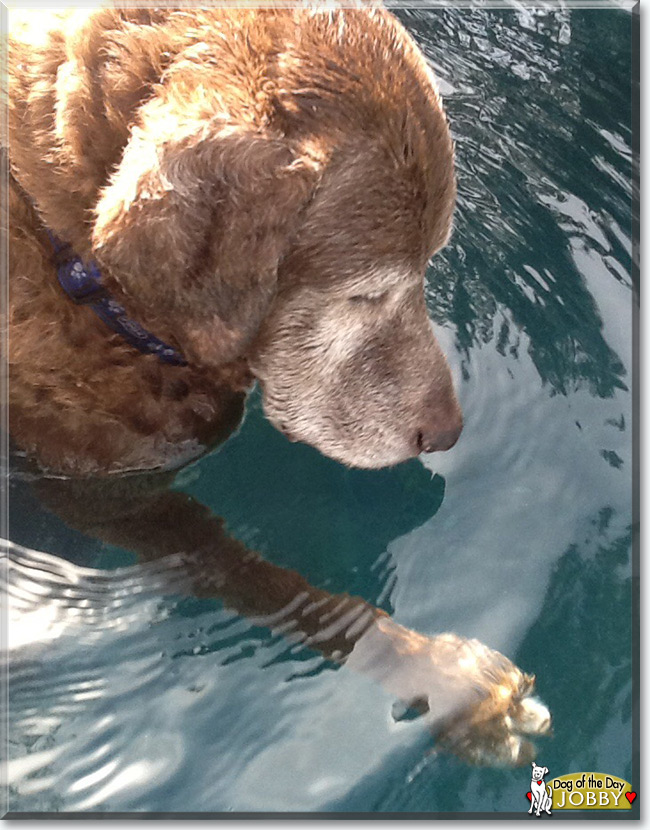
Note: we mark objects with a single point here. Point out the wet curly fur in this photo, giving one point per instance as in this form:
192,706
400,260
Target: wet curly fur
262,190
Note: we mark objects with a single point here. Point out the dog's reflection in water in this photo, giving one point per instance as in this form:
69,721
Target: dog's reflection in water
478,704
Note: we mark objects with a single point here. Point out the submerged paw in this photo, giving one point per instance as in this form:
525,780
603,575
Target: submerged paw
496,731
530,717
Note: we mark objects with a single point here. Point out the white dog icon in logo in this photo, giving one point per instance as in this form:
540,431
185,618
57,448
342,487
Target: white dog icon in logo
540,795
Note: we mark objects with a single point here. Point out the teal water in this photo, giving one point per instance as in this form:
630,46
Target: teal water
125,695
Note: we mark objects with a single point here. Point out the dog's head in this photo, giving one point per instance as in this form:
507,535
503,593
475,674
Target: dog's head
346,356
538,772
302,246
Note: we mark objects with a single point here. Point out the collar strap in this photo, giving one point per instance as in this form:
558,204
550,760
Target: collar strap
83,284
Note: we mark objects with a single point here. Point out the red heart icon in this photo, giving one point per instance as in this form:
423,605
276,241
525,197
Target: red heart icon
630,797
529,796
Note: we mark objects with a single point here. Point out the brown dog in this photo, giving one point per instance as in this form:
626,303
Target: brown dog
262,192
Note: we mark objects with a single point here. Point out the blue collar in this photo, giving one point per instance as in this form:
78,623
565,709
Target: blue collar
83,284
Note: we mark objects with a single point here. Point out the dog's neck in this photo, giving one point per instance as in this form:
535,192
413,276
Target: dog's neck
82,283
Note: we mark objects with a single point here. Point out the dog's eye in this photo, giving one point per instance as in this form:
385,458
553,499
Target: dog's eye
368,298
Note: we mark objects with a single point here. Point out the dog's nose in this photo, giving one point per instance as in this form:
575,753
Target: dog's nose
434,439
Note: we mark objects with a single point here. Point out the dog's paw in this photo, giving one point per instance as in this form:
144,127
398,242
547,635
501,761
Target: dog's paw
479,705
496,729
497,732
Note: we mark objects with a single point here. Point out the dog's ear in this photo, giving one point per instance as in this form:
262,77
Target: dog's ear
545,770
193,224
534,764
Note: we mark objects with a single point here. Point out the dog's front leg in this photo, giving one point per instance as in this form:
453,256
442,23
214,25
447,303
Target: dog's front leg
477,702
